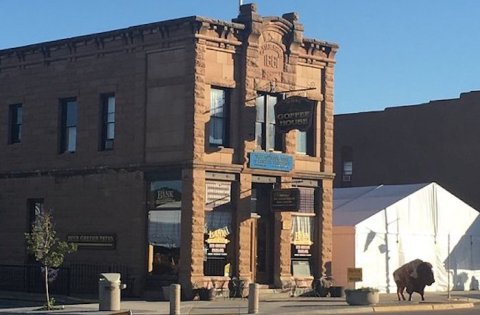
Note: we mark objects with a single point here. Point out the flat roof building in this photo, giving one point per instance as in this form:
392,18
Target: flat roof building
432,142
156,146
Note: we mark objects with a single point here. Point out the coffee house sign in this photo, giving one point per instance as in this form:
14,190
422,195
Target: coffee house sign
294,112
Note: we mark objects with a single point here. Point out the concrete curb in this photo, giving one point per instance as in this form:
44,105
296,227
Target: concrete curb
423,307
390,308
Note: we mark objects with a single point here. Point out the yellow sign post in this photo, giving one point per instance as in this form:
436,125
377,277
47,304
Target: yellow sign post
354,274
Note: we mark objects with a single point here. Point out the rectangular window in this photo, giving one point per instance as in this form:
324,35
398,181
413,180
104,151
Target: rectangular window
35,208
108,122
219,117
347,165
305,142
347,171
15,123
164,223
68,125
218,251
266,136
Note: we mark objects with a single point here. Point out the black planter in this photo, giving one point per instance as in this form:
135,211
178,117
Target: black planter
336,291
206,294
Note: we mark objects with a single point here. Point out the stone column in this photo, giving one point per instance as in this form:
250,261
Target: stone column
192,237
323,247
282,275
246,268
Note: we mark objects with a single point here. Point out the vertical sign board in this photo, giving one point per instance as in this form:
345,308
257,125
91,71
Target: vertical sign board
285,199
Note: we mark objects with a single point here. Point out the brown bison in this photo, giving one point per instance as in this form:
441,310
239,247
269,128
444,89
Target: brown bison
413,276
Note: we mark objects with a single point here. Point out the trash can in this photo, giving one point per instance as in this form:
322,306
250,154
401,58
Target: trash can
109,287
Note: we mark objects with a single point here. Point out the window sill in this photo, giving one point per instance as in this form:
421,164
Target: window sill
304,157
221,149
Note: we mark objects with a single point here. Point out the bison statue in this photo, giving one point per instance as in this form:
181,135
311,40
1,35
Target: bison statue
413,276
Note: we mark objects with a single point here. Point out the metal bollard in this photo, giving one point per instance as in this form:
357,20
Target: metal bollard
174,299
253,294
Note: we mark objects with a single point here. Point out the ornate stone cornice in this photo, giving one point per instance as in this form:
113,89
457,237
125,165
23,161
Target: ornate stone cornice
127,39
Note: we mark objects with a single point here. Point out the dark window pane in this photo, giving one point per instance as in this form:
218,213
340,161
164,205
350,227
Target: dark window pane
71,114
219,119
71,139
15,123
108,122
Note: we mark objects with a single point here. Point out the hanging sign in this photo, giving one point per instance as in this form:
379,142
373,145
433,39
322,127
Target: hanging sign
294,112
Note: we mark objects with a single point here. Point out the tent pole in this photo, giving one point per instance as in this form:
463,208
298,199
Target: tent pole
448,268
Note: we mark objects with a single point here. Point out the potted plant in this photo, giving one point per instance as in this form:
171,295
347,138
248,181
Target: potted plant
362,296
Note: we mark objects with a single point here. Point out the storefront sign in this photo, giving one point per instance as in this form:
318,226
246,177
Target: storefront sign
93,241
217,242
294,112
270,161
217,250
166,195
301,251
285,199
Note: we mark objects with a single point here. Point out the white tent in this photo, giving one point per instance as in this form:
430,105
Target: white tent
380,228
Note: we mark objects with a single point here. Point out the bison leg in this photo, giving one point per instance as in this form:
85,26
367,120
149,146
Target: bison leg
400,289
401,293
410,296
421,294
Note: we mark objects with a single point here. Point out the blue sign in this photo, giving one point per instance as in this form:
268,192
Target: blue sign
271,161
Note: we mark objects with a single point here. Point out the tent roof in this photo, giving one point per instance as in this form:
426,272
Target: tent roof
355,204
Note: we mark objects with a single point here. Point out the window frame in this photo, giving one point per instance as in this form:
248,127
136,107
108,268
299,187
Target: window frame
266,123
15,123
347,165
106,142
224,118
66,127
310,137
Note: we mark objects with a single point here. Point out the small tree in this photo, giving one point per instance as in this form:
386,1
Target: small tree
47,248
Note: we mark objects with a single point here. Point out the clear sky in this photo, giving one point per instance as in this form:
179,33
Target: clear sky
392,52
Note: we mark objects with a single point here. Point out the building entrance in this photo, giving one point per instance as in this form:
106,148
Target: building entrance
264,233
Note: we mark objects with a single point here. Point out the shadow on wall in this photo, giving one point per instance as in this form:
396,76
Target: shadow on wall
465,254
465,257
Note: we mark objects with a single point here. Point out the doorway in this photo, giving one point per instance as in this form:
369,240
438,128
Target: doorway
263,249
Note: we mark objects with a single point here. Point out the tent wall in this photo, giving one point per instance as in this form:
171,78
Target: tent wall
430,224
343,253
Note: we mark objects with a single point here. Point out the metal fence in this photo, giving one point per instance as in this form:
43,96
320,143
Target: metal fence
72,279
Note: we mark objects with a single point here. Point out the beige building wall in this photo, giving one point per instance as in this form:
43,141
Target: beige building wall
343,254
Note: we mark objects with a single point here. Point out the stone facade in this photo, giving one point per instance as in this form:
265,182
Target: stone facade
162,75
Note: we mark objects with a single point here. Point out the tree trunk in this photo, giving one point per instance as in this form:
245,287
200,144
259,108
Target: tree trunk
46,287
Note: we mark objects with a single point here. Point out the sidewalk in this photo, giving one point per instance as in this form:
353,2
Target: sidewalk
297,305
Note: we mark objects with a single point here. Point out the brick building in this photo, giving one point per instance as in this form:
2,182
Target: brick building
156,148
432,142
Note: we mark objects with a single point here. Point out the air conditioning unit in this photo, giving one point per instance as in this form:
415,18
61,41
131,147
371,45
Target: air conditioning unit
347,178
